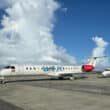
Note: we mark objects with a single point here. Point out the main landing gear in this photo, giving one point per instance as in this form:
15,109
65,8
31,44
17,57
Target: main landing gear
70,78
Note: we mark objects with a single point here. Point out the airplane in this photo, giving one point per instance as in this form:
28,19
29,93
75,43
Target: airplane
106,72
58,71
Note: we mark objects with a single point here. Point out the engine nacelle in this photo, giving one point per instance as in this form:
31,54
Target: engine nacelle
87,68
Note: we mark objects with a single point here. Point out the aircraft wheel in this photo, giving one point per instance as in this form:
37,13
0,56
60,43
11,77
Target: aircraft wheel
72,78
2,82
61,78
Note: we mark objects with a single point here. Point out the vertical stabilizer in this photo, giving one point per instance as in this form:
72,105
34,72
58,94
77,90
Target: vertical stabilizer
94,59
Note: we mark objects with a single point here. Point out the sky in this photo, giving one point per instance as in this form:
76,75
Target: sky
83,20
54,31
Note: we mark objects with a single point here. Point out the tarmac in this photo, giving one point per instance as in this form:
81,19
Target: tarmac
42,93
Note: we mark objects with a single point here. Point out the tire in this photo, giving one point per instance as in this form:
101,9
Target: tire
61,78
2,82
72,78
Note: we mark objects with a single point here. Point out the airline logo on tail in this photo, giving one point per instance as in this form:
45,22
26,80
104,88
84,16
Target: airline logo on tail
91,66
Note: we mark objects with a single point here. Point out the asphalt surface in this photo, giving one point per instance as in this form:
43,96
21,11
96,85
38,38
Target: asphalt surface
8,106
92,93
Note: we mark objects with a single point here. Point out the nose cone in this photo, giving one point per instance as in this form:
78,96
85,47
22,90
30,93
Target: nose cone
103,73
1,72
106,73
4,72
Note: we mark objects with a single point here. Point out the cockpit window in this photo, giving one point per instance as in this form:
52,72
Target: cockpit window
107,69
12,67
9,67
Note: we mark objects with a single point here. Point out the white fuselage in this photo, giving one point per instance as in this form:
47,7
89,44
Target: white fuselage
106,73
51,70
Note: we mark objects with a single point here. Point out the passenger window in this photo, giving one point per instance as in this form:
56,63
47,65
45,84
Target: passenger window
34,68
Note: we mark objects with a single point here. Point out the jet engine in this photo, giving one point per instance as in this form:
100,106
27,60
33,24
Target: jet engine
87,68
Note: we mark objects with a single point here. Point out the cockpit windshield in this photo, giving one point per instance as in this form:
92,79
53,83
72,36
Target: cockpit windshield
9,67
107,69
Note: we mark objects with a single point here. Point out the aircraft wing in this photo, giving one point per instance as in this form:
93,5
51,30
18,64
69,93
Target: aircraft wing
69,74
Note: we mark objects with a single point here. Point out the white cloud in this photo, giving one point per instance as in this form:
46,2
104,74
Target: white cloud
27,36
99,50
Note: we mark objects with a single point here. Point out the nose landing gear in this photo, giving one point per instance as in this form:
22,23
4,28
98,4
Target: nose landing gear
2,80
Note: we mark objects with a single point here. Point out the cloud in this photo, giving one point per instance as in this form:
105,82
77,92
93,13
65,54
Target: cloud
26,36
99,50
